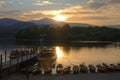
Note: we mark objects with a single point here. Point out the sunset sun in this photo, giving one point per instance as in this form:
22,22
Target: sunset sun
60,18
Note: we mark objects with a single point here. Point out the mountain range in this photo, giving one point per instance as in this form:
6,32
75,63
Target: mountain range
12,23
8,25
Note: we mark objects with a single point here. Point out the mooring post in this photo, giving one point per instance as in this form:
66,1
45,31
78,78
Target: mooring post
9,71
18,60
22,53
0,67
21,62
27,62
27,71
27,55
5,56
30,53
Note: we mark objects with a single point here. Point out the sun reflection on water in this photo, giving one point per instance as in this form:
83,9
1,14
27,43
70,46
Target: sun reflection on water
59,52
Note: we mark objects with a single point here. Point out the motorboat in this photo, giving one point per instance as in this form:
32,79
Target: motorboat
47,58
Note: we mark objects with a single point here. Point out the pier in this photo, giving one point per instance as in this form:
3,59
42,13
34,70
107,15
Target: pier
14,64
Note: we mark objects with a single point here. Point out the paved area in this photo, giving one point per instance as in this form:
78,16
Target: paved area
87,76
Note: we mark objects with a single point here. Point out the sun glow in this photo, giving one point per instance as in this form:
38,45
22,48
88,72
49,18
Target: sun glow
59,52
60,18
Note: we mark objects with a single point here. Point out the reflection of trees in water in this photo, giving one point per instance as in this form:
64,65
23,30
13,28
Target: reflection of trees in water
66,49
90,45
117,45
78,46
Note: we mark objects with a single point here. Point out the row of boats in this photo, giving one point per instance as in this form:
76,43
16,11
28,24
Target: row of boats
74,69
21,52
82,68
43,52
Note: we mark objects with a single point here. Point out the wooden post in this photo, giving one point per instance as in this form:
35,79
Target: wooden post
30,54
0,67
5,56
9,71
27,71
18,61
22,56
27,65
26,56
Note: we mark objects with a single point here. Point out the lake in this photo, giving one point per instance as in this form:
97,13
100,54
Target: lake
91,54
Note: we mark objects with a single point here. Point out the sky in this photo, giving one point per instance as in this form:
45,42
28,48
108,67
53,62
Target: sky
97,12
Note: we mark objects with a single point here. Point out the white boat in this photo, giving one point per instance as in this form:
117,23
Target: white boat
47,58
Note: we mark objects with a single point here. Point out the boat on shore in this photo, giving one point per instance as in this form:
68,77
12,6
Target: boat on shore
66,70
92,68
59,68
21,52
75,69
114,67
83,68
101,68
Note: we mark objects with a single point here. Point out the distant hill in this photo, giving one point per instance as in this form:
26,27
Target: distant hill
47,21
80,25
58,23
9,28
43,21
8,25
8,22
21,25
114,26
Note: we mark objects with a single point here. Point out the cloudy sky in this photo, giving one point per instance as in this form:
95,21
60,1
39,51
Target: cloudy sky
98,12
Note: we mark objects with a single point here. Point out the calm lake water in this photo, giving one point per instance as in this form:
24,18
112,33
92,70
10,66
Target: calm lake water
89,55
68,55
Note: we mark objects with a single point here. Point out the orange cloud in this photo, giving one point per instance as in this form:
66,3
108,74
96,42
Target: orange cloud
85,13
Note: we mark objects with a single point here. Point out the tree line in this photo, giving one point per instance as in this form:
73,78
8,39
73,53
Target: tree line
68,34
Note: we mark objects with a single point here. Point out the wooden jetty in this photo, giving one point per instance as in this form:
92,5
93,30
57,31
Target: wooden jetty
15,64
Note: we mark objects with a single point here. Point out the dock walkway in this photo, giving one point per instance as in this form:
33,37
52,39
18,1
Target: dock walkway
18,60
